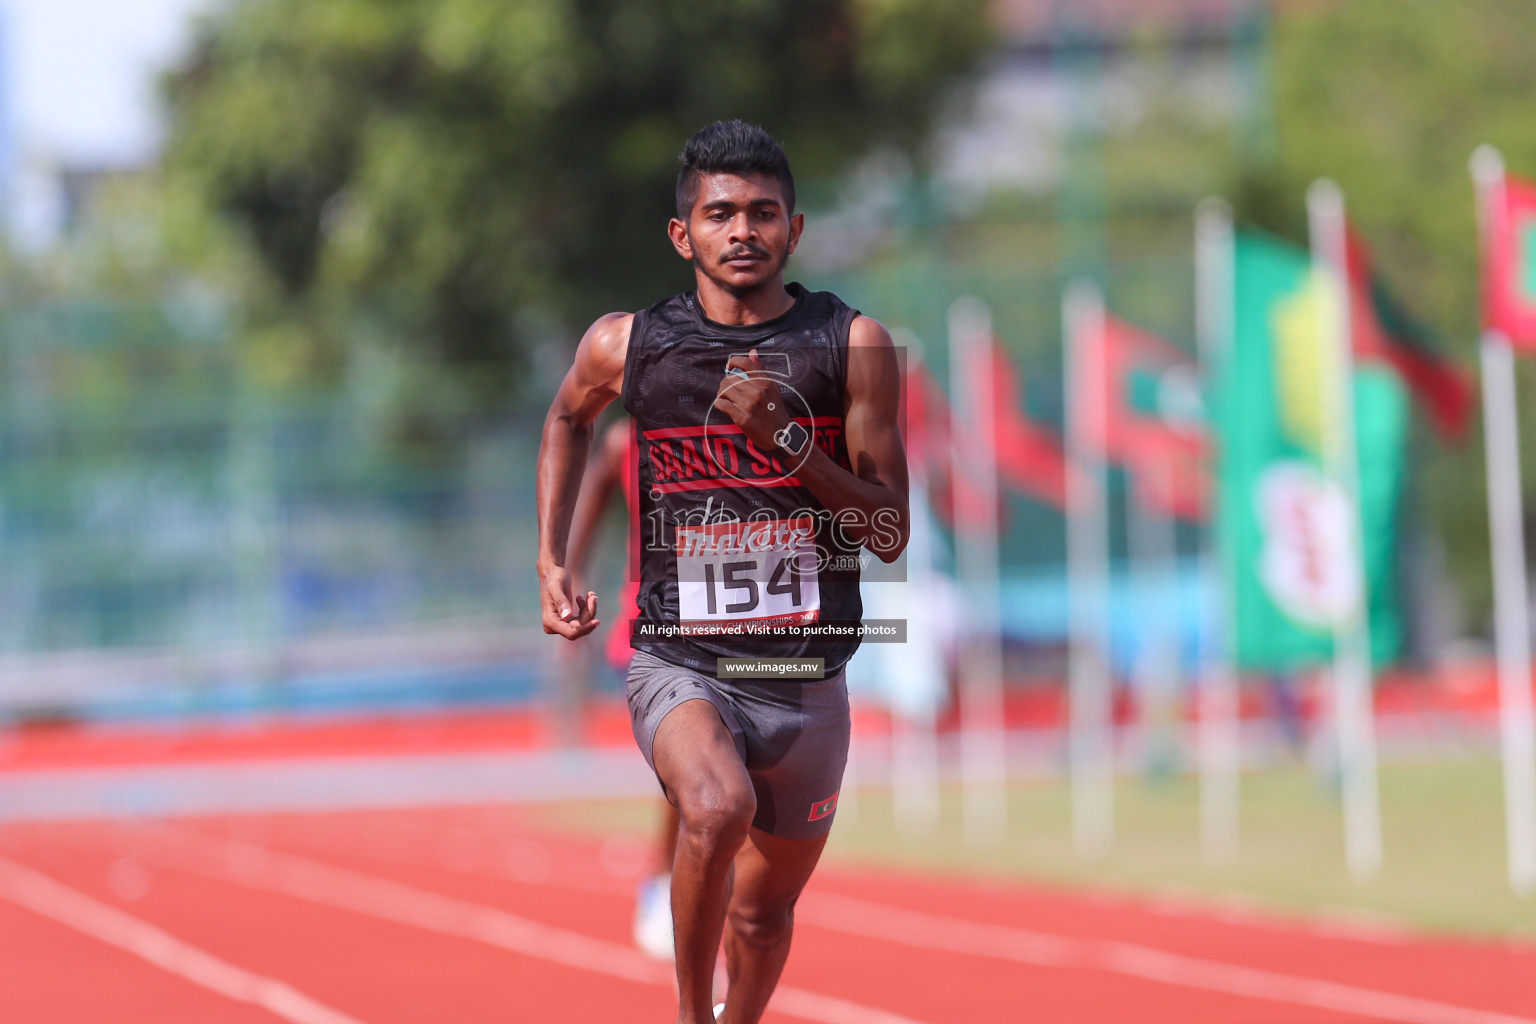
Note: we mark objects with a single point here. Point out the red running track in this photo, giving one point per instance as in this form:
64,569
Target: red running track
480,914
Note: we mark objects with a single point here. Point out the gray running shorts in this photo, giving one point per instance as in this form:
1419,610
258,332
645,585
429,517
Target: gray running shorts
792,735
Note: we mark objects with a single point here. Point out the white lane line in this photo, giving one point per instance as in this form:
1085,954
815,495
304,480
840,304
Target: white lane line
41,894
291,875
923,930
798,1002
1347,924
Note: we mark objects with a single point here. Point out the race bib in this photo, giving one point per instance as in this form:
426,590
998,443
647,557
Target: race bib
762,573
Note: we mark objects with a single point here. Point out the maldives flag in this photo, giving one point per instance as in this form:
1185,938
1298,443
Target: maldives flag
925,433
1383,331
925,418
1030,459
1509,284
1147,391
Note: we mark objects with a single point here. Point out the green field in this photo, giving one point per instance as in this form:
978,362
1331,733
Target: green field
1444,864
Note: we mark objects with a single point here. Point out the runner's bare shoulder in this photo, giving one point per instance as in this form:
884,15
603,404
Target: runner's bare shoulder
874,369
867,332
599,366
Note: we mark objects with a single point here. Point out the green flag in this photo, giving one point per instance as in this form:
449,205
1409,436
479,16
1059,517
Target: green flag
1285,531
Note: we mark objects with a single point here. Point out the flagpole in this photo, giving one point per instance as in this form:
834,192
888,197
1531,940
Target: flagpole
918,682
1219,739
1090,694
915,677
1511,603
1153,542
914,739
1352,670
974,441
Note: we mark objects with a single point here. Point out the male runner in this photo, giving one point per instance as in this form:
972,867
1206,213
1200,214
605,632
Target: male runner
770,456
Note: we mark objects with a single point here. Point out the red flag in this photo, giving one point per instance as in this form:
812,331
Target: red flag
1383,331
925,417
1030,459
1166,456
927,436
1509,282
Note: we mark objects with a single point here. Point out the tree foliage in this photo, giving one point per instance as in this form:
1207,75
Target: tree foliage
468,169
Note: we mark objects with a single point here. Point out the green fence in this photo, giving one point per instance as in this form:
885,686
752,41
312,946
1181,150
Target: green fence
151,498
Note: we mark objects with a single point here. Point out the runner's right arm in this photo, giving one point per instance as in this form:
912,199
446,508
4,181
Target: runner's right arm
605,472
593,381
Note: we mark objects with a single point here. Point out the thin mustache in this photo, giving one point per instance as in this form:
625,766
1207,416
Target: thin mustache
744,251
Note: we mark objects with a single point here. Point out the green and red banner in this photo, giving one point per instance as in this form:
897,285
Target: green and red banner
1509,282
1286,528
1383,331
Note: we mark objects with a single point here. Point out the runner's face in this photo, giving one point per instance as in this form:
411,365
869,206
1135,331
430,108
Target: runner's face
740,234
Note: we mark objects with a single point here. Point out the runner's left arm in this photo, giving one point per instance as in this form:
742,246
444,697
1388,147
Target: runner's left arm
869,503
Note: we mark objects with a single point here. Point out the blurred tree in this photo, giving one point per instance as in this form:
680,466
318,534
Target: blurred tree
1389,98
467,170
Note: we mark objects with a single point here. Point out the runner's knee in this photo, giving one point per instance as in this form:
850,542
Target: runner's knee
716,811
762,925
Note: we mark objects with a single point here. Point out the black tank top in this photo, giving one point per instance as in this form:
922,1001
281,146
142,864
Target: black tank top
737,557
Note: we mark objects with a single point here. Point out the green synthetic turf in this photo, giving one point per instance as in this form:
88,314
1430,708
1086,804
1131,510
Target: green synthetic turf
1443,825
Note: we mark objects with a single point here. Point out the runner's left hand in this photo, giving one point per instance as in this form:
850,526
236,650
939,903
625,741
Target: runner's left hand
755,404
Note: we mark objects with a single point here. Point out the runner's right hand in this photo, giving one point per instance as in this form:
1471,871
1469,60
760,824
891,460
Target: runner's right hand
570,616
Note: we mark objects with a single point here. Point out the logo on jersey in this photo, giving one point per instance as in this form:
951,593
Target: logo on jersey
823,809
714,455
682,377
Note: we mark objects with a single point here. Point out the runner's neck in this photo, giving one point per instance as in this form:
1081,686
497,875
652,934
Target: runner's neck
768,302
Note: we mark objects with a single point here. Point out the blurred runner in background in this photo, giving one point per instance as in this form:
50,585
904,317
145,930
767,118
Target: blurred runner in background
612,468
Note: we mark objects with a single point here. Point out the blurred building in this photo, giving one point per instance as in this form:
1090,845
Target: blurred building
1104,67
78,103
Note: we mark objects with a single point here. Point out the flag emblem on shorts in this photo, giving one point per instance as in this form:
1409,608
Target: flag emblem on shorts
826,807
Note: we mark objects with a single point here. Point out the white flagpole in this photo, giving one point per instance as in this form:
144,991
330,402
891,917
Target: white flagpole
1090,693
1352,671
1512,627
974,441
914,719
1219,747
1153,541
914,776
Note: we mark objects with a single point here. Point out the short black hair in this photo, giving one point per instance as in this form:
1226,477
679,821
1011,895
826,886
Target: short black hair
730,147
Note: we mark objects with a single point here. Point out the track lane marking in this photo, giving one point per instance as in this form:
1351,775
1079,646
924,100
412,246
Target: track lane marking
1147,963
1235,909
933,931
58,902
852,915
924,930
259,867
